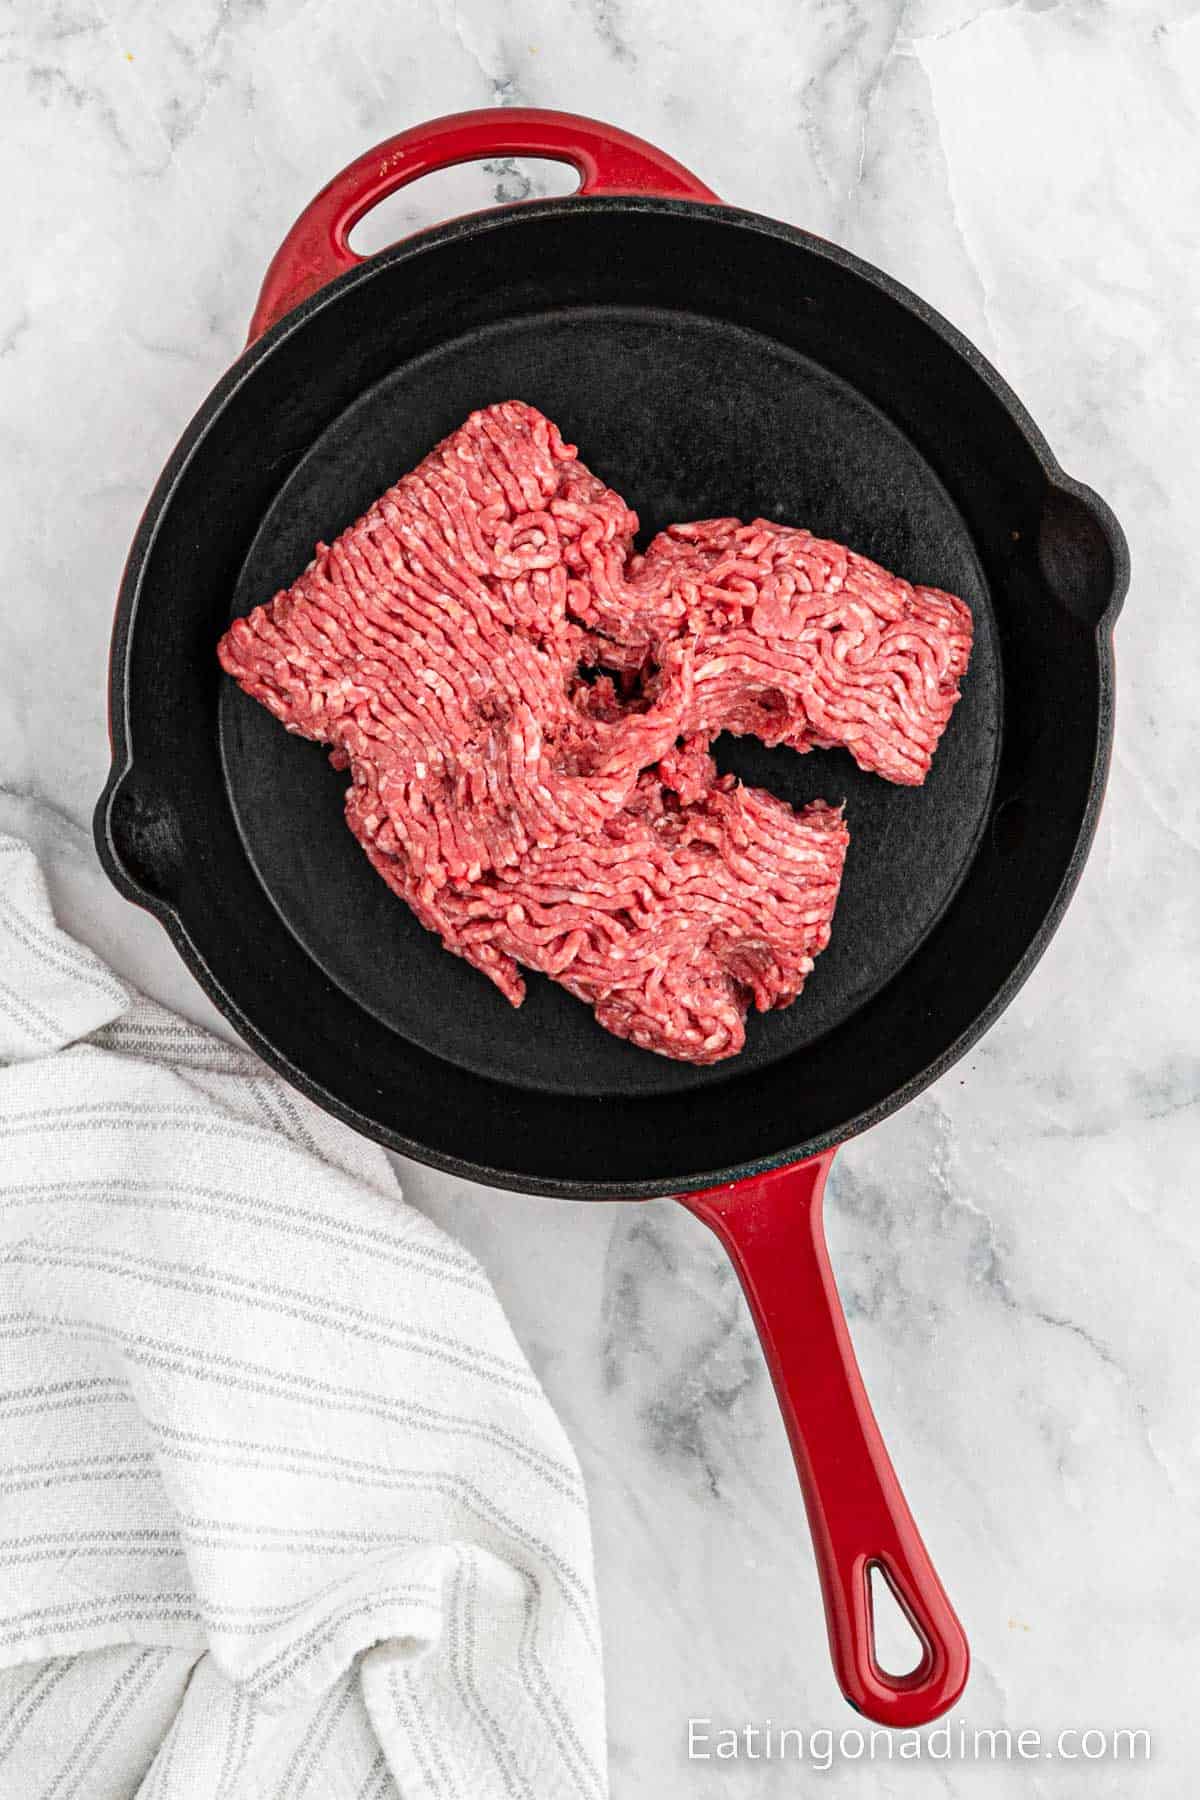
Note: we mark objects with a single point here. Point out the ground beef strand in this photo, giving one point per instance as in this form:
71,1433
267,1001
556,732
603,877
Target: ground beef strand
525,709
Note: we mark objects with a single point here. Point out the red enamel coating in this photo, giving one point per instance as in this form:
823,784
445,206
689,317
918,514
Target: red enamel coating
771,1225
316,250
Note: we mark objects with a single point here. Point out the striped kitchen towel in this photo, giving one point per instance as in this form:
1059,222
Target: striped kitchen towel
283,1510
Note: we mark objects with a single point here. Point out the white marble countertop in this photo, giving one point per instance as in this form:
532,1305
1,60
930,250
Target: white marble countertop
1018,1250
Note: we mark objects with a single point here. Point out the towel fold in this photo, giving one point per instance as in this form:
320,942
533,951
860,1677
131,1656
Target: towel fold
283,1510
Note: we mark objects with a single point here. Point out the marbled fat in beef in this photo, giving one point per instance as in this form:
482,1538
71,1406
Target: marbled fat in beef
525,708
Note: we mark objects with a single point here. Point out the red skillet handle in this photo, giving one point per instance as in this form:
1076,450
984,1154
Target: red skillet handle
771,1227
316,249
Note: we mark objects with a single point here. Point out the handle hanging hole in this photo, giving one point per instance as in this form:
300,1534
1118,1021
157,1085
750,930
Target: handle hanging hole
897,1648
466,188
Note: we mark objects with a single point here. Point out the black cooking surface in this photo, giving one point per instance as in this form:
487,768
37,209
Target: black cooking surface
687,417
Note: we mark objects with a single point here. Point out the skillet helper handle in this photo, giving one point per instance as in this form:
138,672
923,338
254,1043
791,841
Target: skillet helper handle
771,1226
609,161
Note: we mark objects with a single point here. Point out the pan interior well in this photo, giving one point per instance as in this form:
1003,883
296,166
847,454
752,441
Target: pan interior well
688,417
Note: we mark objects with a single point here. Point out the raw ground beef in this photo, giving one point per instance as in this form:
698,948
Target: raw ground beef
525,708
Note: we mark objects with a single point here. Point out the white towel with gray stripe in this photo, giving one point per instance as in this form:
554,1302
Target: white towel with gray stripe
283,1510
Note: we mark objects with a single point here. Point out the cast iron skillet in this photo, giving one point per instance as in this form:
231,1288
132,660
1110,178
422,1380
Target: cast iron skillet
707,361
